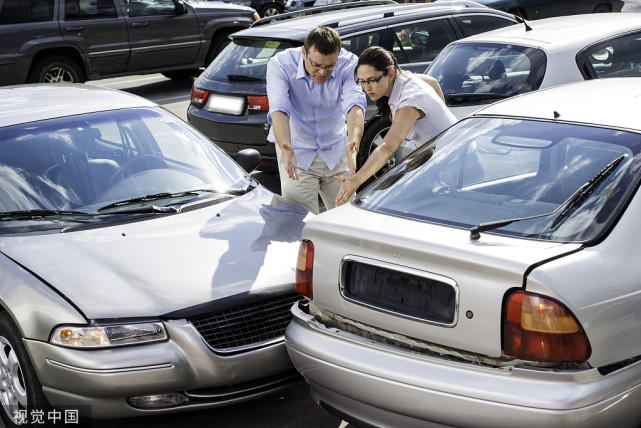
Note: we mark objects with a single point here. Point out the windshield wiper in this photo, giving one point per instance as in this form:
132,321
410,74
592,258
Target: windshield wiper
149,198
243,78
32,214
570,204
455,99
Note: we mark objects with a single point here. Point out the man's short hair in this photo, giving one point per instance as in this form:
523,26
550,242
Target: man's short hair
325,40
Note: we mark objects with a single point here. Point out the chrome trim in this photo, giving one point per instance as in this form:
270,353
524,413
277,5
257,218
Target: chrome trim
402,269
110,371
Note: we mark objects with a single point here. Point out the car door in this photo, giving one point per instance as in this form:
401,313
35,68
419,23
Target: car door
160,35
95,27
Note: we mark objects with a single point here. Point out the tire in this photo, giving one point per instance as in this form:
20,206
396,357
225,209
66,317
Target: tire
270,9
20,389
602,8
217,45
372,138
180,74
55,69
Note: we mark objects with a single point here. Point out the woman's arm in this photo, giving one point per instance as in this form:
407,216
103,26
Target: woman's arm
433,83
404,120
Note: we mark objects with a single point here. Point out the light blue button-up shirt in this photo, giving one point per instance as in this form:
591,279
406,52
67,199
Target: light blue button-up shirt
317,112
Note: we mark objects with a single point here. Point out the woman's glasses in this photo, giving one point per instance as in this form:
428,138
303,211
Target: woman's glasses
371,81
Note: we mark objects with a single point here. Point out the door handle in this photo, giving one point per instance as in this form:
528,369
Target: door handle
74,29
139,24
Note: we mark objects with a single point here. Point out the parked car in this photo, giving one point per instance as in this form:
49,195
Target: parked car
56,41
487,279
265,8
535,9
143,271
294,5
229,100
537,55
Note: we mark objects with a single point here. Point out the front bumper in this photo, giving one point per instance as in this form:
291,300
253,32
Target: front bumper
366,382
98,382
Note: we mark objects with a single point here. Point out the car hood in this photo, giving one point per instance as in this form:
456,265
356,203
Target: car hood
178,263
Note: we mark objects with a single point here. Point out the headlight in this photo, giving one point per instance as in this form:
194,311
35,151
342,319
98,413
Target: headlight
102,336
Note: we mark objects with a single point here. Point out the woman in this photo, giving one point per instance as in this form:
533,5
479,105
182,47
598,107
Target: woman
414,102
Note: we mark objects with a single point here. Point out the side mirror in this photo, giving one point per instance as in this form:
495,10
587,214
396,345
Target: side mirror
181,8
248,159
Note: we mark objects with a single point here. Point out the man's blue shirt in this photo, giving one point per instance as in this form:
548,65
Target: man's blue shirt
317,112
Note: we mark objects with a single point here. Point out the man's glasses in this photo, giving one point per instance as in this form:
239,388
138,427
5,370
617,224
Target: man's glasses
371,81
324,67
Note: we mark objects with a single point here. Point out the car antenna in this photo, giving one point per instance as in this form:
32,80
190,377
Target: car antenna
517,13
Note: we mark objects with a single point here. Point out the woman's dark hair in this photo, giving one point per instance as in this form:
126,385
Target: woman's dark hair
325,40
384,61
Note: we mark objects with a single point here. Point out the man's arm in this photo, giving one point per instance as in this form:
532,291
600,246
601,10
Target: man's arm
355,124
282,134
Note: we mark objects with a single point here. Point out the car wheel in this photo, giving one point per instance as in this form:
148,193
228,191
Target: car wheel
602,8
55,69
20,390
372,138
179,74
217,45
270,10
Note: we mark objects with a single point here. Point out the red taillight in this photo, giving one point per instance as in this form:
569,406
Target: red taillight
540,328
257,104
305,269
198,96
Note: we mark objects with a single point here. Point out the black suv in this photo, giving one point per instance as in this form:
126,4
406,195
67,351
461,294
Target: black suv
229,101
79,40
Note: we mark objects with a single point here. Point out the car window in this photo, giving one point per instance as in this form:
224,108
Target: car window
89,161
476,24
245,59
620,57
486,169
150,7
87,9
484,68
357,44
421,42
21,11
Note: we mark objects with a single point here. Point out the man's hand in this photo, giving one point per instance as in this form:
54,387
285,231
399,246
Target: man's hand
289,161
348,188
351,153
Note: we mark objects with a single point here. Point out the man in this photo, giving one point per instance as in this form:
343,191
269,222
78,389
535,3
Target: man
315,108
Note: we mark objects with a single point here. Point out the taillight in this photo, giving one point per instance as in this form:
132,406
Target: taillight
541,329
257,104
305,269
198,96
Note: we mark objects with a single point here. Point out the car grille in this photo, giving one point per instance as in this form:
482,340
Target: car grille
247,326
399,290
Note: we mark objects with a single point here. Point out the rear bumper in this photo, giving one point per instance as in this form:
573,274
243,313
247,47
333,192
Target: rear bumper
382,385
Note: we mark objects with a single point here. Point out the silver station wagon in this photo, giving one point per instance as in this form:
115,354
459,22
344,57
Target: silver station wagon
488,280
142,271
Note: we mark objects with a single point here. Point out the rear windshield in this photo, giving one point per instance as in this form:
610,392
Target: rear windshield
245,59
491,169
476,72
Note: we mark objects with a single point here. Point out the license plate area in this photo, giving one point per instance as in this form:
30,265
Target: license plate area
399,290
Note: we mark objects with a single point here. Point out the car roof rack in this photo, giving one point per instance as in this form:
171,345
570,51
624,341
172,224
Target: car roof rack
314,10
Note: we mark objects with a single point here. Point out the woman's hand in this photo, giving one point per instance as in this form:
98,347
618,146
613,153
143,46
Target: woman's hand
348,188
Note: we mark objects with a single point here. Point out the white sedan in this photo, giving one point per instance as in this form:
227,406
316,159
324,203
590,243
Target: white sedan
489,280
481,69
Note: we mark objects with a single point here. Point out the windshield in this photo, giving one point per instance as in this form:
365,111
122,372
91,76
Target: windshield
469,71
83,163
245,59
488,170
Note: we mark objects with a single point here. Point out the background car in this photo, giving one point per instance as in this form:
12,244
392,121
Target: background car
535,9
509,61
487,280
265,8
55,41
229,100
143,271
